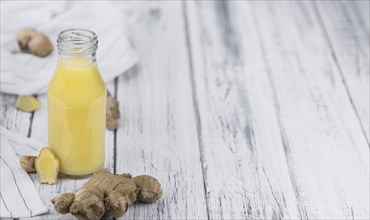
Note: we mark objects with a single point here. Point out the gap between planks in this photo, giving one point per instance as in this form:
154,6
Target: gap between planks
195,104
115,131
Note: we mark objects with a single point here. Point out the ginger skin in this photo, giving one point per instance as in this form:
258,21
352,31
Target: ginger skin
107,192
28,163
47,166
112,112
150,189
27,103
35,42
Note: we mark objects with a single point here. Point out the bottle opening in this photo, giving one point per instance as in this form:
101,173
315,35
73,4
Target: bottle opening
77,42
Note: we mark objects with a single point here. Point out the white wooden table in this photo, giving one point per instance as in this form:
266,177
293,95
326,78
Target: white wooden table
241,109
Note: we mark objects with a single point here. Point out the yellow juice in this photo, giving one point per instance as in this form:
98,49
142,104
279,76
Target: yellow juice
76,116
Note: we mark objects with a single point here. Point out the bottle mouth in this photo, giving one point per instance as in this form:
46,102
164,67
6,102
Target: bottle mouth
77,42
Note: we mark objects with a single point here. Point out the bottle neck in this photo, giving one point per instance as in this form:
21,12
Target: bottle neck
77,44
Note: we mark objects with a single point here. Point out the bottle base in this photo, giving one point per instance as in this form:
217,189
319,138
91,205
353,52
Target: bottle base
80,173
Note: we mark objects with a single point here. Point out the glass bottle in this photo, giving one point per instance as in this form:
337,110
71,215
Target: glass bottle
77,105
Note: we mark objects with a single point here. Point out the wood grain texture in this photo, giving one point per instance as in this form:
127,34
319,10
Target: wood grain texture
362,10
246,169
157,133
349,41
241,109
324,143
13,119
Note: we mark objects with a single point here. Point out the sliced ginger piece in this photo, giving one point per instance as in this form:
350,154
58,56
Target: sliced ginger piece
47,166
27,103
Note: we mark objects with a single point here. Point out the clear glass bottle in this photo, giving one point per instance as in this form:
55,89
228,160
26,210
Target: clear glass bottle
77,105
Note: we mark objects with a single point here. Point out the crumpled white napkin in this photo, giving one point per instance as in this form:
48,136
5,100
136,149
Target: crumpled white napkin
18,196
25,74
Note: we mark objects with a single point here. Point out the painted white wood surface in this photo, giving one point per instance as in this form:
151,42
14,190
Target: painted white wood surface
362,10
157,133
246,172
320,131
349,40
241,109
13,119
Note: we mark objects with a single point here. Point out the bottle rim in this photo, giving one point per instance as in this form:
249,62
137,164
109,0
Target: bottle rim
77,42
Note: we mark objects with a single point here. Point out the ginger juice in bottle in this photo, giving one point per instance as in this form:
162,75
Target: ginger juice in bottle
77,105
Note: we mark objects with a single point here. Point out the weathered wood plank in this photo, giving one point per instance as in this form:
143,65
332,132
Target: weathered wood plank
278,135
157,132
247,172
362,10
349,41
39,126
324,143
110,136
11,118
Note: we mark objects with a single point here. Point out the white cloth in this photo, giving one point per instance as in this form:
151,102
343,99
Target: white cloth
18,194
25,74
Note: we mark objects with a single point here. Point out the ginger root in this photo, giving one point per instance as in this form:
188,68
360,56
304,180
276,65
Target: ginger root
35,42
28,163
150,189
107,192
27,103
47,166
112,112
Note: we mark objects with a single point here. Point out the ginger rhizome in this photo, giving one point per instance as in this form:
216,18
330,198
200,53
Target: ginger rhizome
47,166
28,163
150,190
107,192
112,112
35,42
27,103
